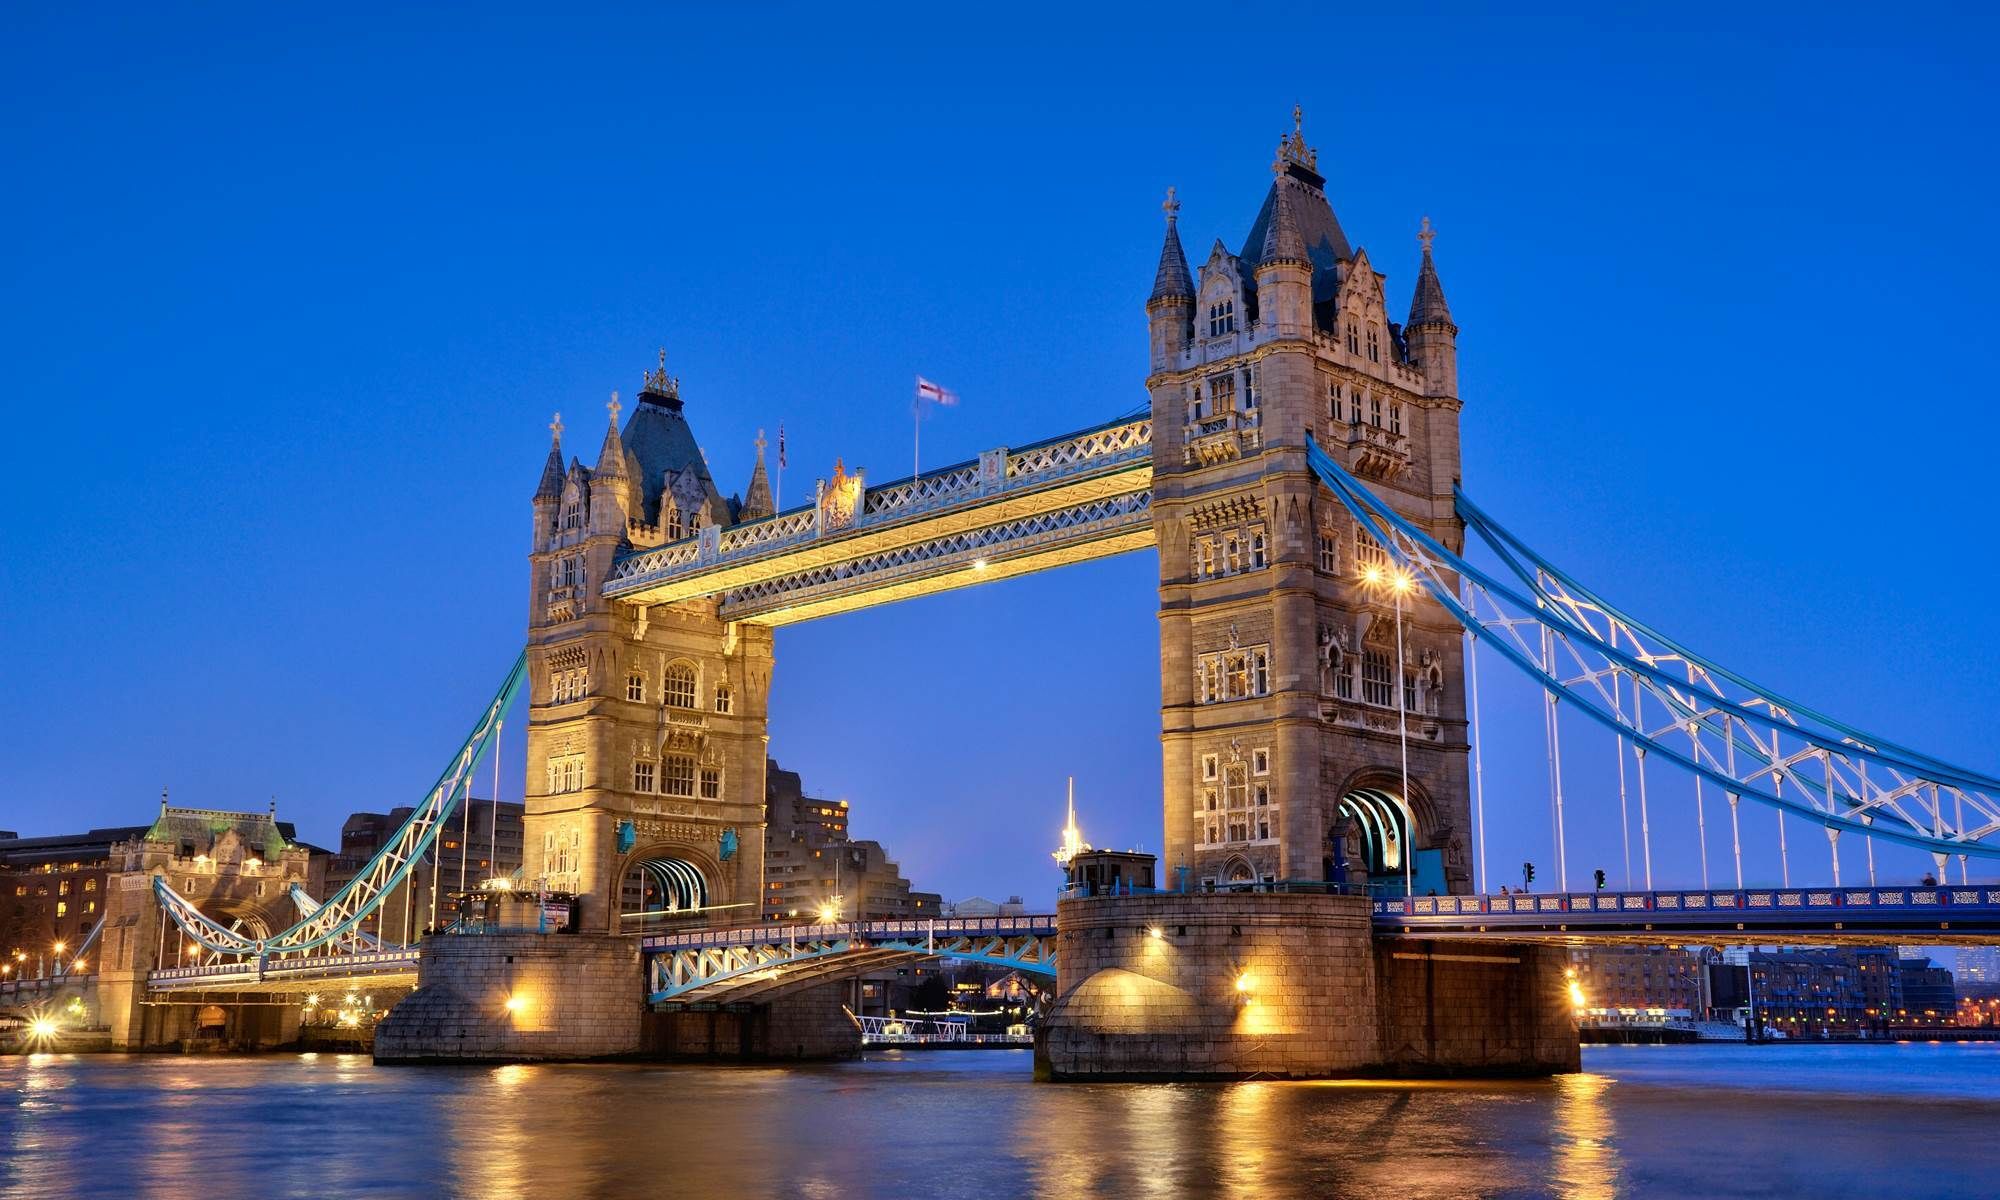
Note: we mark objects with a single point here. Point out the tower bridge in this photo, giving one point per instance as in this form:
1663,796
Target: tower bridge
1322,615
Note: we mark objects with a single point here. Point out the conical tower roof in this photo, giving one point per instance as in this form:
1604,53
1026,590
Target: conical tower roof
612,461
552,470
757,500
1173,281
1283,243
1427,306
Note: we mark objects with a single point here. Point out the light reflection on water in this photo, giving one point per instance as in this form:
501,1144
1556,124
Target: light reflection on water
1666,1121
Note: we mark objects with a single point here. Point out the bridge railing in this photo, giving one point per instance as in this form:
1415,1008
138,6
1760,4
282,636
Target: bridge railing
1870,901
764,935
302,965
1312,887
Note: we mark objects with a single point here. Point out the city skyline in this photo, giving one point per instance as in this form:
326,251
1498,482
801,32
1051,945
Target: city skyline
306,522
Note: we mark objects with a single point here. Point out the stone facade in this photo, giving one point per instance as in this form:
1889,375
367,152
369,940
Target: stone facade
1279,637
518,997
646,726
808,1025
1289,986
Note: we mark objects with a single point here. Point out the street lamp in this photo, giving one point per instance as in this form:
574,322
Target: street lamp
1400,584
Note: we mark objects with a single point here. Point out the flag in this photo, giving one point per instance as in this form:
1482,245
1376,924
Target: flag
926,390
781,445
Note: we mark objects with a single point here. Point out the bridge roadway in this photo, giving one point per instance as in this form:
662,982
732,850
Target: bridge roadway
758,963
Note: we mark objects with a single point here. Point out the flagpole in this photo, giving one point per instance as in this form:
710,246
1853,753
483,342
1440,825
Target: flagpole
917,438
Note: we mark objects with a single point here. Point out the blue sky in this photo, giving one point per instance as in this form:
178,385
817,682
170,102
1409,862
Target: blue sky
289,298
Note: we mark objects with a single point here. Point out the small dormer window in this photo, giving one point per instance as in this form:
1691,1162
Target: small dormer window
1221,318
572,516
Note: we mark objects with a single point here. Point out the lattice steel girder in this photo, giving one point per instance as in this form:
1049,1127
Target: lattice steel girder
1062,474
742,971
1737,736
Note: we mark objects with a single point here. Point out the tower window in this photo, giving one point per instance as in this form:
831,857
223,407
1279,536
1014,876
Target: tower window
1374,346
722,698
1256,548
1222,318
1209,764
1249,388
1395,418
1368,552
1333,402
1329,550
1376,687
677,687
1235,788
1260,673
1353,338
1207,557
1236,670
1260,761
711,783
642,777
635,687
1222,392
1375,411
1235,554
678,778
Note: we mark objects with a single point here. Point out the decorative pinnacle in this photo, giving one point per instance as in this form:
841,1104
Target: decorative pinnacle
556,428
659,382
1299,119
1292,147
1172,207
1425,234
615,407
761,443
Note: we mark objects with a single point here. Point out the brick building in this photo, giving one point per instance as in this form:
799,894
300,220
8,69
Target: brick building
809,859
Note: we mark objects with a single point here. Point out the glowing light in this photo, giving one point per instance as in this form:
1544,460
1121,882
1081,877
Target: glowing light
979,564
516,1004
43,1028
61,946
1072,843
1402,582
829,911
497,884
1155,932
312,999
349,998
1244,984
1576,1000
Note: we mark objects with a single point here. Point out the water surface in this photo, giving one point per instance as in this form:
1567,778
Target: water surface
1722,1121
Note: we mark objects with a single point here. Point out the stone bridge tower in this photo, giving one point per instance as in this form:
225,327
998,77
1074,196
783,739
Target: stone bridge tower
1278,649
237,868
646,728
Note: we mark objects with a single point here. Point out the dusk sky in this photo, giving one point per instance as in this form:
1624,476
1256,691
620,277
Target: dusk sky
287,307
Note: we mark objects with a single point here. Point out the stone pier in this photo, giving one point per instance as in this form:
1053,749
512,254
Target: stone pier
1289,986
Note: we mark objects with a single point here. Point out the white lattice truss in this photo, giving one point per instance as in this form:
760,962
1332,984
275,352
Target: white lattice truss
1676,706
744,965
335,923
1084,495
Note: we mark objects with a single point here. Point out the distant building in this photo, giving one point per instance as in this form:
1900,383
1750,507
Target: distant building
980,906
491,849
1642,978
1834,991
809,859
1929,997
52,887
1977,969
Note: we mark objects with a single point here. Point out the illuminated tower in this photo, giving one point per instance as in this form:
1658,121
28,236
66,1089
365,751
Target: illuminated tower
1282,733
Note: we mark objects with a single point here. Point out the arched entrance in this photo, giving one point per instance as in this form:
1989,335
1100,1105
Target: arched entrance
657,887
1376,833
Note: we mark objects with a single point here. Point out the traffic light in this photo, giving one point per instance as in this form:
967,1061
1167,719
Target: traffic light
1527,874
1598,874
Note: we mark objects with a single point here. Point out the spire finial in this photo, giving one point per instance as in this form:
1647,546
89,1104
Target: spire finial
615,407
1172,207
659,383
1292,147
1425,234
663,358
760,445
556,428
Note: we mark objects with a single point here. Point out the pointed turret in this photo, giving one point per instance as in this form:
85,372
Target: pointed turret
1282,241
1427,306
757,500
1173,280
1170,311
552,469
614,485
611,460
1431,335
1284,270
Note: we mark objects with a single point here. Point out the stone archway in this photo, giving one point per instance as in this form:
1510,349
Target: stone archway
1379,835
662,885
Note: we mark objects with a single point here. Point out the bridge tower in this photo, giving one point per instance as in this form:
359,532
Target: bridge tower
646,728
1282,738
237,868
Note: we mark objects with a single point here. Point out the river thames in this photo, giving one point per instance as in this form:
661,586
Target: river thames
1913,1119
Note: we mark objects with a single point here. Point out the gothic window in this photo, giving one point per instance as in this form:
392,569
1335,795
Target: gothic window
1343,678
1207,559
677,687
1329,550
1375,679
1264,833
711,783
1260,673
1211,682
1208,768
1333,402
635,686
1374,346
1234,554
1222,393
1221,318
572,514
1235,786
1261,795
642,777
1239,831
1256,548
1395,418
1375,411
1236,670
1249,389
670,519
1260,761
1368,552
1353,338
722,698
678,777
1409,691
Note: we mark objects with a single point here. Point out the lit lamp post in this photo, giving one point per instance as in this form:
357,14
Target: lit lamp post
1400,584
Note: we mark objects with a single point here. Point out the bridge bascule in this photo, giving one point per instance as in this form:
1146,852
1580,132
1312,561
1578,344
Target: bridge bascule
1327,592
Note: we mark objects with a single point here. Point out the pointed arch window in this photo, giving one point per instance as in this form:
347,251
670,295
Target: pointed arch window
677,687
1353,338
1221,318
1374,346
1395,418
